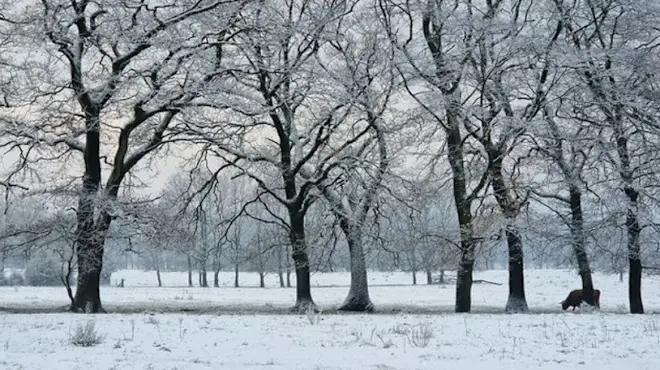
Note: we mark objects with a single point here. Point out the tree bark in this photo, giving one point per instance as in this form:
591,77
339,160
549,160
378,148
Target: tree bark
579,245
90,232
632,218
304,299
190,278
280,267
358,293
216,270
464,281
157,265
204,278
634,259
90,261
236,275
413,264
463,207
516,302
288,269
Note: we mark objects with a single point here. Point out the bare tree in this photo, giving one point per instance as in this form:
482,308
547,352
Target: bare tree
360,65
570,154
285,118
115,75
436,52
614,50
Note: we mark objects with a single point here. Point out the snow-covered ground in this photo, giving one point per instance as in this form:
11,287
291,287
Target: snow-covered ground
231,334
389,291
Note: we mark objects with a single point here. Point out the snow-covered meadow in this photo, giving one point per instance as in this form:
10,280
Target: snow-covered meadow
248,328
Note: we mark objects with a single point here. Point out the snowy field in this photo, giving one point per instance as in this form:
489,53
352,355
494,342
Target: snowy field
248,328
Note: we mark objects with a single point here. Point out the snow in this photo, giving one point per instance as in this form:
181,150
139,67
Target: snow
221,337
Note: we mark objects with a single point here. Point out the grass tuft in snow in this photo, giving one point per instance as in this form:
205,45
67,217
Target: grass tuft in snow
86,335
313,315
420,335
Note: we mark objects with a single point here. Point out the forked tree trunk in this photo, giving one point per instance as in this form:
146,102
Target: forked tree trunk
358,293
579,245
516,302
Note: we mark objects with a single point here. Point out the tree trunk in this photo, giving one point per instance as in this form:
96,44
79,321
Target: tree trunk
205,281
304,299
236,275
160,281
288,277
632,218
413,264
429,277
516,301
67,279
358,293
463,205
509,207
262,279
280,267
579,245
190,278
442,276
90,262
216,267
464,282
90,230
634,260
